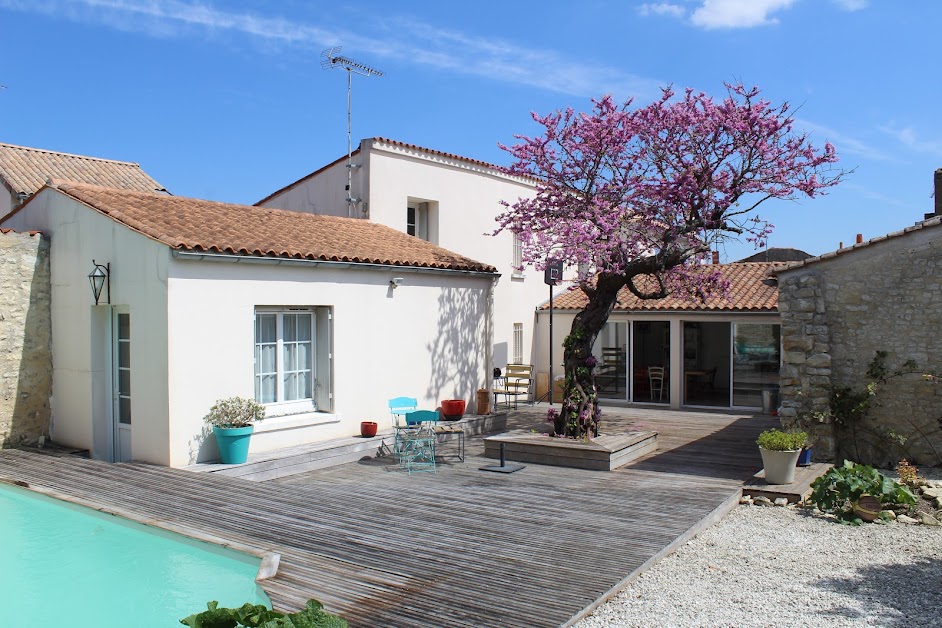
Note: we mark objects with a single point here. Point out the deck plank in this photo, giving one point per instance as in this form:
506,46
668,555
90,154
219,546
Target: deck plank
454,548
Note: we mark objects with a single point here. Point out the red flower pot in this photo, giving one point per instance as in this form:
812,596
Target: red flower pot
368,429
453,409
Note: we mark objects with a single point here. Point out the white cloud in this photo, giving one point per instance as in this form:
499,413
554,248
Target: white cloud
911,139
408,42
662,8
845,144
737,13
852,5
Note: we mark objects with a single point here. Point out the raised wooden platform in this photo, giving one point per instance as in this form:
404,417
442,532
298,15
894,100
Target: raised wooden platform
797,491
603,453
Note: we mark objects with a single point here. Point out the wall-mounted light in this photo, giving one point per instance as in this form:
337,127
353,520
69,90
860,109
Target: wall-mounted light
395,282
99,278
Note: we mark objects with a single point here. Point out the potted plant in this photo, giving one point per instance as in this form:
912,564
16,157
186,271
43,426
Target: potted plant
780,451
453,409
233,423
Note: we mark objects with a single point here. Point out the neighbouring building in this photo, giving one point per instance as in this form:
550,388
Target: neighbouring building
320,318
24,170
721,353
25,331
445,199
840,309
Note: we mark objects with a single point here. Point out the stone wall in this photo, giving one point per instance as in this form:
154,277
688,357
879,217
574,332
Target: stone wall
25,338
837,313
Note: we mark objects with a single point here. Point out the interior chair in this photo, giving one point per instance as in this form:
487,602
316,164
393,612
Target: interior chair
656,381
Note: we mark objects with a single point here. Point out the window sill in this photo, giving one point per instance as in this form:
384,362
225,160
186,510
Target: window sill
294,421
516,276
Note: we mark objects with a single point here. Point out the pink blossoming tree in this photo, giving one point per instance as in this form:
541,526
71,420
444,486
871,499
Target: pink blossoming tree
636,197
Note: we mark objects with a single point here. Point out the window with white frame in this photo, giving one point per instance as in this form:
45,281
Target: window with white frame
517,255
292,357
518,343
417,220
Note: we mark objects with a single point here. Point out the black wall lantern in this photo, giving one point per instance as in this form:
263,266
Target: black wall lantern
99,278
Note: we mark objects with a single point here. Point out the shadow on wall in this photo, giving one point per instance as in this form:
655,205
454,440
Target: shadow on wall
457,352
31,412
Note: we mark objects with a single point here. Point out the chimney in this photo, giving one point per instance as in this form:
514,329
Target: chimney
716,257
859,238
937,193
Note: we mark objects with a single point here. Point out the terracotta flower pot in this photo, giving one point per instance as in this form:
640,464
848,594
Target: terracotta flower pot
368,429
453,409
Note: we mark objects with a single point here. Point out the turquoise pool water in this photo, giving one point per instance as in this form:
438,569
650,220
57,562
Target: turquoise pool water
64,565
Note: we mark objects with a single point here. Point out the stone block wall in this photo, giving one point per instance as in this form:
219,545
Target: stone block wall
25,338
837,313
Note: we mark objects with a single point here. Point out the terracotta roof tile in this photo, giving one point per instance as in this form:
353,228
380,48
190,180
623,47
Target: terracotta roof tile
4,231
750,290
196,225
25,170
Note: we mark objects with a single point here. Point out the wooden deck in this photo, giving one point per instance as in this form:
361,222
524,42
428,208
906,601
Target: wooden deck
456,548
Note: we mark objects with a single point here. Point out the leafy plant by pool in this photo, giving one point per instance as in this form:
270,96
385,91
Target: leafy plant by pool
257,616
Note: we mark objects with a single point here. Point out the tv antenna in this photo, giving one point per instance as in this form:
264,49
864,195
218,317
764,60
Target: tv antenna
330,59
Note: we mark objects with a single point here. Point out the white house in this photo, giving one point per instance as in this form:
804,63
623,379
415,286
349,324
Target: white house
443,198
323,319
722,353
24,170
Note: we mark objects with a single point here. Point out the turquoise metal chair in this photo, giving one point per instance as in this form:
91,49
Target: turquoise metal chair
415,441
400,406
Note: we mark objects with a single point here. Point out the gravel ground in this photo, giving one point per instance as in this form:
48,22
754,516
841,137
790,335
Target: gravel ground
773,566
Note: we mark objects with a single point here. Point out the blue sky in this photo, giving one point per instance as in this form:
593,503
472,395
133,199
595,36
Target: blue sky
228,101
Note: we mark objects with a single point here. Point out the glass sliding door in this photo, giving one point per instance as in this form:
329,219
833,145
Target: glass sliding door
756,360
706,364
611,356
651,358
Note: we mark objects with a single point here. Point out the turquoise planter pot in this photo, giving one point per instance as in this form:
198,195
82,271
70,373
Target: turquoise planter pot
233,443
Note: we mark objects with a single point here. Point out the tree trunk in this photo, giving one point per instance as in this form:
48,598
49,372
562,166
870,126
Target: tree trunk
580,414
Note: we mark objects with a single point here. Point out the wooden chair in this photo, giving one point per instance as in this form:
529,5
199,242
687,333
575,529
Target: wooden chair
656,380
516,381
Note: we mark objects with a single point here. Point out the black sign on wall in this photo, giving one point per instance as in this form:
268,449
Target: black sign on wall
553,273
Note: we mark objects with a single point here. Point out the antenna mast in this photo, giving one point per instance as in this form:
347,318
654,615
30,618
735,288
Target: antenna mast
330,59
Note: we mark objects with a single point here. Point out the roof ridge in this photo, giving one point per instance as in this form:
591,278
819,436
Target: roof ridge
64,154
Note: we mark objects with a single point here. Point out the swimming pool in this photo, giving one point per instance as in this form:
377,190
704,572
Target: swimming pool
66,565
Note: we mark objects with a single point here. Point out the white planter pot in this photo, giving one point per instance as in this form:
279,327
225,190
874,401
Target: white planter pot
779,465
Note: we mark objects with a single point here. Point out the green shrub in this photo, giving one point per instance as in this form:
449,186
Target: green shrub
235,412
839,489
777,440
258,616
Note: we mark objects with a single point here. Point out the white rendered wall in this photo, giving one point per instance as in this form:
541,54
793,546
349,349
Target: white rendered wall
468,199
424,339
79,234
466,196
324,193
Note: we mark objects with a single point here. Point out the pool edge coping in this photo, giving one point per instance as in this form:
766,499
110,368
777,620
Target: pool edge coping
270,560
